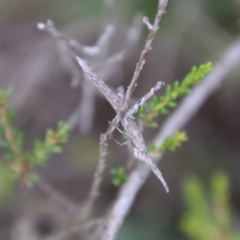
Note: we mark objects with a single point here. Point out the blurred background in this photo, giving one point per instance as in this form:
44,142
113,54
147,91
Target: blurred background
192,32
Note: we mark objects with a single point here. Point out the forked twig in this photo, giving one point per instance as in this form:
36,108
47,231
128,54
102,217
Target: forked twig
94,192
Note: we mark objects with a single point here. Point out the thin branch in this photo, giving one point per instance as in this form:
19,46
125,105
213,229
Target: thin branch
50,28
84,114
67,48
102,43
186,110
145,20
94,192
124,202
104,39
162,4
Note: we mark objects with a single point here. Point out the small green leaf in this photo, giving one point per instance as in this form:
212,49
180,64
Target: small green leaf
172,104
4,144
163,111
6,183
160,105
119,176
168,90
153,124
56,149
171,143
151,148
142,111
176,85
9,156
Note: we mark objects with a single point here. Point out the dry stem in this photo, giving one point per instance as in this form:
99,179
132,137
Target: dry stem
94,192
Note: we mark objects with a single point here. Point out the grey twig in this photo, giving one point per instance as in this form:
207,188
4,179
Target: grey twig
124,201
102,44
94,191
85,108
67,48
162,4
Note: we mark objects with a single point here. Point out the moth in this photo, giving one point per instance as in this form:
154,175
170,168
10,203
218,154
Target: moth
128,121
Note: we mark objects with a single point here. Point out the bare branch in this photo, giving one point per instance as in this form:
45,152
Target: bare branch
145,20
94,192
104,39
144,99
124,202
162,4
50,28
189,106
84,114
66,46
102,43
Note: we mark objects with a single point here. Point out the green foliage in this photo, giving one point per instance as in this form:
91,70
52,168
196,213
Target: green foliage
208,216
7,177
161,105
169,144
4,94
119,176
21,162
43,149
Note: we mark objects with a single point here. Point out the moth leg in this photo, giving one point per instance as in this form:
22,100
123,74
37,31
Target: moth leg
151,164
123,133
123,143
